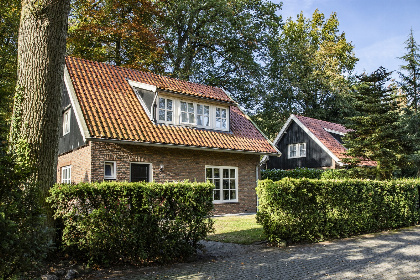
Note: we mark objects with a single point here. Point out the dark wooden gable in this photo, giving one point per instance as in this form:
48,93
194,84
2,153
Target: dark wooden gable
74,139
316,157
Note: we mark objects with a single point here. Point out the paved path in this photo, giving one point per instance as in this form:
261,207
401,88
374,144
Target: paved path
392,255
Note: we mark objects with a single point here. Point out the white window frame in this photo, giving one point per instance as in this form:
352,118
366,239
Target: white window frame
165,110
66,170
66,121
177,113
203,115
113,175
221,178
221,118
300,152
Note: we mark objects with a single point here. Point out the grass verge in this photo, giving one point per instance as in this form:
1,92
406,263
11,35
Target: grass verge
237,229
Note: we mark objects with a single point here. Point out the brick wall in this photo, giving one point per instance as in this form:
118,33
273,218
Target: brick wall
80,161
180,164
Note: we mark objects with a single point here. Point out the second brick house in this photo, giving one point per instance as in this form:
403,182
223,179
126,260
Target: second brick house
127,125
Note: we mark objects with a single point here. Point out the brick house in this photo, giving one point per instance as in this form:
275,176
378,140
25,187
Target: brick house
127,125
311,143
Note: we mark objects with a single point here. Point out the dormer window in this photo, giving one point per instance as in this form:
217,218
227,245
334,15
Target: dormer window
191,112
166,110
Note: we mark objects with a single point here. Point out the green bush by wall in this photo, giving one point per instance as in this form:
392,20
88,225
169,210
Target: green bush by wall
133,222
278,174
295,210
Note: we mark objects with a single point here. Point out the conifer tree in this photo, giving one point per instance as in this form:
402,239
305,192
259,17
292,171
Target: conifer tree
377,134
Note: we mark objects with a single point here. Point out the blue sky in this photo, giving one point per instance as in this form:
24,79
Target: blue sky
377,28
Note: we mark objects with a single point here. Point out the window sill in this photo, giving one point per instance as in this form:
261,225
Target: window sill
225,202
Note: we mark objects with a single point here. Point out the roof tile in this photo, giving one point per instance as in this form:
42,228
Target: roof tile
112,111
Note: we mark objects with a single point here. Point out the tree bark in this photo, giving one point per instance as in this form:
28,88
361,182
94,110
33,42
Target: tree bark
36,112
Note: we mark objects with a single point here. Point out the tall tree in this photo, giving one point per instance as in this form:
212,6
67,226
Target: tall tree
120,32
36,111
220,42
9,26
377,134
410,81
308,71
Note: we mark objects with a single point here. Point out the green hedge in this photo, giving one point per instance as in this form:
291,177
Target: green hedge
278,174
295,210
133,222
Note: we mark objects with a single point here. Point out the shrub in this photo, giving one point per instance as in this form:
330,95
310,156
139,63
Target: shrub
278,174
24,237
133,222
297,210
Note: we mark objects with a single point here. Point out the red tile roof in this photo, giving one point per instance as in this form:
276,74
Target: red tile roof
319,129
111,110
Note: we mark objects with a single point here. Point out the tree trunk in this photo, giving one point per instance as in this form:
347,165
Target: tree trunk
36,112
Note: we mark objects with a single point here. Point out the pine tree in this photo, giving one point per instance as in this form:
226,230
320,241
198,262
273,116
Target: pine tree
377,134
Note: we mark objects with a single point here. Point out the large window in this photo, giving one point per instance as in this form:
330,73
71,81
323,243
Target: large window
66,174
166,111
110,170
225,179
297,150
66,122
187,112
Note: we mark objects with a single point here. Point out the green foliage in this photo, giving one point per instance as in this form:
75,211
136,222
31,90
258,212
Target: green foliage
220,43
377,134
278,174
24,238
308,71
133,222
9,26
301,210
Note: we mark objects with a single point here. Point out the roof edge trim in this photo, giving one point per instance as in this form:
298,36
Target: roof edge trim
130,142
76,106
334,131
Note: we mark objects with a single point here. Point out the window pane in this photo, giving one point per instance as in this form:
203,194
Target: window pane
232,184
225,184
199,109
216,173
191,118
162,103
161,115
217,183
190,107
108,169
217,112
225,173
232,194
169,104
232,173
223,123
169,116
226,195
209,173
218,123
206,121
216,195
206,110
199,120
184,117
223,113
183,106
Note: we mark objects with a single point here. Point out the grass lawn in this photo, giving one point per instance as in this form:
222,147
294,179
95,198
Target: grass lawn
237,229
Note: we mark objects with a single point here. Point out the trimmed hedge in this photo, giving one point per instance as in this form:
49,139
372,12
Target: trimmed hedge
278,174
133,222
295,210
